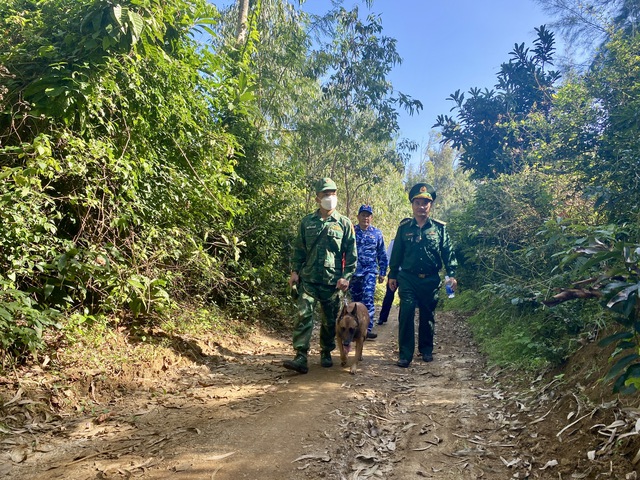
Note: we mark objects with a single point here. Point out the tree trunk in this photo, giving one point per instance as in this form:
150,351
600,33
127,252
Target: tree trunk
243,14
347,210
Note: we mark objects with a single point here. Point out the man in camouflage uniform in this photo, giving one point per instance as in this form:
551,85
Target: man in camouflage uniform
422,246
372,263
323,260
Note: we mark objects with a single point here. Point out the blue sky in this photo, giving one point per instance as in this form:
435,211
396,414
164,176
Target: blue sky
446,45
449,45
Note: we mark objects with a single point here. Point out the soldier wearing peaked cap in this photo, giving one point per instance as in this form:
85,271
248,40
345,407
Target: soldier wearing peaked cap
318,270
422,247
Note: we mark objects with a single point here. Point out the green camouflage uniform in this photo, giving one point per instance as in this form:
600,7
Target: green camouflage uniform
417,257
317,258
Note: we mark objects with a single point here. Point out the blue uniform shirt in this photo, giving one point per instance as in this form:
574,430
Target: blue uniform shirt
372,257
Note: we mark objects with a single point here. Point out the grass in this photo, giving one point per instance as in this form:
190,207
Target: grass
525,336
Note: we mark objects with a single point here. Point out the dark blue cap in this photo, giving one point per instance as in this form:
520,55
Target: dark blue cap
365,208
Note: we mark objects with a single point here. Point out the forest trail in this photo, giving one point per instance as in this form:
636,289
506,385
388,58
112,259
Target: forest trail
241,415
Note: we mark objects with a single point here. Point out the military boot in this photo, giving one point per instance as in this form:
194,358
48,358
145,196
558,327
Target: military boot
298,364
325,359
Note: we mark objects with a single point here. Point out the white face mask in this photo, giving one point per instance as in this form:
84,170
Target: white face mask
329,203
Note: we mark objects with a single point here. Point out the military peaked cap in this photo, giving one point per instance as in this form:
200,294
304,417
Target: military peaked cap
422,190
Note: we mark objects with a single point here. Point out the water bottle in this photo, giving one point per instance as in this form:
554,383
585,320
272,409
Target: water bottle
448,287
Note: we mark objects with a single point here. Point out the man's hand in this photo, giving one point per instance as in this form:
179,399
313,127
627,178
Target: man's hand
294,279
393,284
343,284
380,278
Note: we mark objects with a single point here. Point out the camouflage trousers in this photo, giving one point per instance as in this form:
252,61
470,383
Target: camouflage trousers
363,289
310,295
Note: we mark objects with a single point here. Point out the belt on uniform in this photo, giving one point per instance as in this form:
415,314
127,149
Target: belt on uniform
421,275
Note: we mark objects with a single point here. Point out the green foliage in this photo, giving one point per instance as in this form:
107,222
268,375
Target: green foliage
595,136
507,238
349,130
492,127
528,235
514,330
465,301
495,233
143,167
361,59
593,129
22,323
117,186
589,23
614,89
607,263
310,125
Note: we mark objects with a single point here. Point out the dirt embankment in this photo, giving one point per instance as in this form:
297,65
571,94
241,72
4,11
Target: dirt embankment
230,411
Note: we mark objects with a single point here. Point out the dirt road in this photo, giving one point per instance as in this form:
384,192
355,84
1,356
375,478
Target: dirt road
246,417
239,415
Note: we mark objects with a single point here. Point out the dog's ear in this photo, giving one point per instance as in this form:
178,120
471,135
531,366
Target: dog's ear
354,308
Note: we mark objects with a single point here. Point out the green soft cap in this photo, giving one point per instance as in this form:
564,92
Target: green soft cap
325,184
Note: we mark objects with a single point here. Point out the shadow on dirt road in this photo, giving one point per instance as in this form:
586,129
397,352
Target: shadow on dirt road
248,418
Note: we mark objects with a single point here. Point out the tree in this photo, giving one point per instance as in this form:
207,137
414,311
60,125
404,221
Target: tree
116,160
490,128
362,105
597,129
590,24
242,27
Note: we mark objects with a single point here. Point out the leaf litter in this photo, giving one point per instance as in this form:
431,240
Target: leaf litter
388,424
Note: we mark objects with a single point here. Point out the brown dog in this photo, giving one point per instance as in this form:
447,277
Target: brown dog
352,327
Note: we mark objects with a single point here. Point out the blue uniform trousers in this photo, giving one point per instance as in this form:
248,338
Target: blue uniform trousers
363,289
423,294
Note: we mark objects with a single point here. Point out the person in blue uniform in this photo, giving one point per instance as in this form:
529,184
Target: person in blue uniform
372,263
422,247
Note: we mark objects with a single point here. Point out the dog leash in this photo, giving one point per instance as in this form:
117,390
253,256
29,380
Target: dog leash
344,297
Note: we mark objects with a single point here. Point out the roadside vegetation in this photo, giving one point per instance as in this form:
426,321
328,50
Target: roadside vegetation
155,157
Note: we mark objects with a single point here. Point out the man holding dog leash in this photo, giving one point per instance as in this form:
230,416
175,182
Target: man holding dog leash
323,260
422,246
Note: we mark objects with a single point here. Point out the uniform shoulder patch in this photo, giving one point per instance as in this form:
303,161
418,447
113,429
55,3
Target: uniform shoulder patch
405,221
439,222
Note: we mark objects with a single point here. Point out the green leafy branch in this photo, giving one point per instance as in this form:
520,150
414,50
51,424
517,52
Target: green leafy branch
612,266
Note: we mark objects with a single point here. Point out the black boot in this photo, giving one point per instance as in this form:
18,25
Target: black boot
325,359
298,364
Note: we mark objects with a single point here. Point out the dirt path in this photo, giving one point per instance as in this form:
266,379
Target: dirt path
248,418
231,411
